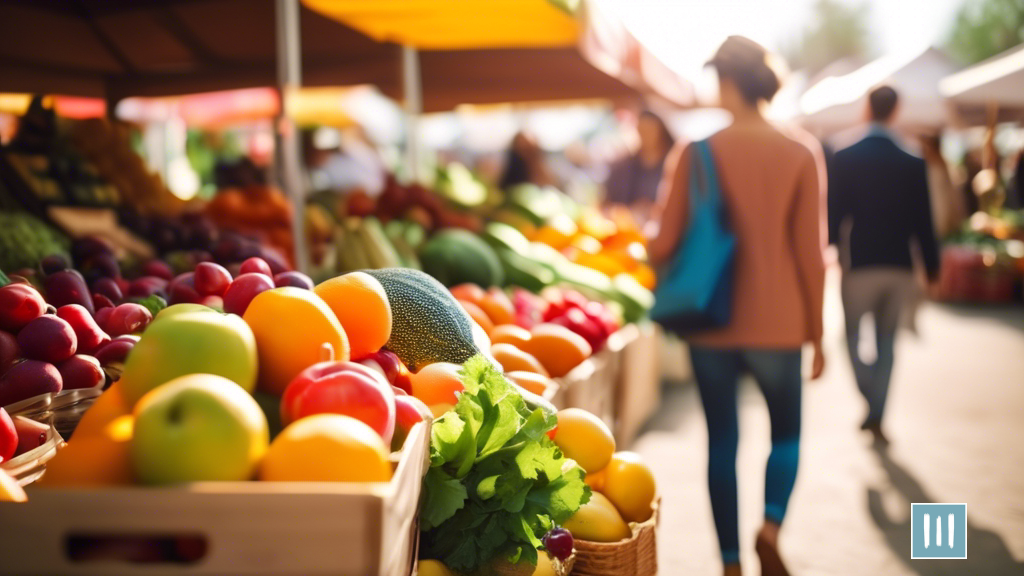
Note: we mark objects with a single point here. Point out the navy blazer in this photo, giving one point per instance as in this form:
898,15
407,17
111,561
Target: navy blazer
883,190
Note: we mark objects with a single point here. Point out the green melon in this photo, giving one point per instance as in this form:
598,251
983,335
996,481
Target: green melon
428,325
459,256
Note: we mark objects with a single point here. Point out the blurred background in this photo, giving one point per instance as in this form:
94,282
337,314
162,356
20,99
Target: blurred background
222,129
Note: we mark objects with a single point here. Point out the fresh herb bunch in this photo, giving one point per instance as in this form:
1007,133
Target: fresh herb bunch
496,482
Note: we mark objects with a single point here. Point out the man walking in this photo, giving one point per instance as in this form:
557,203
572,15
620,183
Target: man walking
879,209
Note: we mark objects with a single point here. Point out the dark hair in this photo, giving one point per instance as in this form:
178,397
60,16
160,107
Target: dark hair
745,63
666,135
882,101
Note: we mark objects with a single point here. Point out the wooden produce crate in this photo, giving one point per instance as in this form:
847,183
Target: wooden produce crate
591,385
638,385
239,528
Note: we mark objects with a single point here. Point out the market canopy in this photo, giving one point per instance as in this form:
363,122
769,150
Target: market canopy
119,48
838,102
457,24
996,81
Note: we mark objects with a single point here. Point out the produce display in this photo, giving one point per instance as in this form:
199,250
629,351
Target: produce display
984,262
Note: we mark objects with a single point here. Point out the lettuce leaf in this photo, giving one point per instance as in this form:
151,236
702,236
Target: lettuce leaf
496,482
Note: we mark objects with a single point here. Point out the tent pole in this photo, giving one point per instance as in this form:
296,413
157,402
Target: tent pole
412,91
289,79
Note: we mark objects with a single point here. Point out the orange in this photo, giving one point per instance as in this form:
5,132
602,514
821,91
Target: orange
629,484
533,382
513,359
10,490
359,302
601,262
584,438
326,448
510,334
596,480
291,326
644,275
437,383
100,459
110,405
468,292
558,348
478,315
498,307
558,232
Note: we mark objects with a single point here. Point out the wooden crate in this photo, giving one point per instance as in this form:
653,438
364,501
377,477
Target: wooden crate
638,386
591,385
249,528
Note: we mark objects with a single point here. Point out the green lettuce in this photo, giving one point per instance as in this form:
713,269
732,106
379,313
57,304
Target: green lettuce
496,482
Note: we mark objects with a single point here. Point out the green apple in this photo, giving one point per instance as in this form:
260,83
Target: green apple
175,309
191,343
195,428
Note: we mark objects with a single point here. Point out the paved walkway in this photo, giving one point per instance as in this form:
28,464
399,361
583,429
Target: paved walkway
956,420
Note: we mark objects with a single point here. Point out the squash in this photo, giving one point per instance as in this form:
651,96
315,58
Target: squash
428,324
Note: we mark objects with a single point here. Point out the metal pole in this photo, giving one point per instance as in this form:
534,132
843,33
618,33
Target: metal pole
289,79
412,90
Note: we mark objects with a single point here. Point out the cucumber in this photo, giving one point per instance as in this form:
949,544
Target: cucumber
524,272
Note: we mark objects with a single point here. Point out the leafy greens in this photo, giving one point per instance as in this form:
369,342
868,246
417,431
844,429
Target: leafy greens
496,482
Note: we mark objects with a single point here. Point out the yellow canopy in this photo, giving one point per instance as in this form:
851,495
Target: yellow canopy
456,24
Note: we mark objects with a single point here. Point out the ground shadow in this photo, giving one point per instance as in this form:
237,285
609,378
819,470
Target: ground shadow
1010,314
987,553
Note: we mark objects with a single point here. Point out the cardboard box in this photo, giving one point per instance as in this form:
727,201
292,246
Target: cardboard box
243,528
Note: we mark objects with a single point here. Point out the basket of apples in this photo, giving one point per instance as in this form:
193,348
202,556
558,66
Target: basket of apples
277,439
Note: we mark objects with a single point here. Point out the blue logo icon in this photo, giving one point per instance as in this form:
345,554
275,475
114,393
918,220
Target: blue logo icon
938,531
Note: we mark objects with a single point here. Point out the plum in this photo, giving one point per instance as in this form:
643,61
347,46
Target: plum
68,287
182,290
147,286
19,305
109,288
10,352
293,278
54,263
81,371
116,350
244,289
127,319
211,279
256,266
48,339
29,378
90,335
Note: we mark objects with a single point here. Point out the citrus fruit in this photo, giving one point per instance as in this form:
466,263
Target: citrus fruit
510,334
10,490
468,292
361,305
597,521
110,405
513,359
557,348
630,486
531,381
437,383
433,568
327,448
102,458
478,315
498,307
291,326
584,438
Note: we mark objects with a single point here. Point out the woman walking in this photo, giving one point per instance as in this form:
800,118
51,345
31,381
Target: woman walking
773,185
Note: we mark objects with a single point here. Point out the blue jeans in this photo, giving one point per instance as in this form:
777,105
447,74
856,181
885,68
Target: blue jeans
777,373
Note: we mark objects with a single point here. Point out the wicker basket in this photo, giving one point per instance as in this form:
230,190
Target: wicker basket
637,556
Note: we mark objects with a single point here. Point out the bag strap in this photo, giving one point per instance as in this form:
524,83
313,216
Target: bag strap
703,176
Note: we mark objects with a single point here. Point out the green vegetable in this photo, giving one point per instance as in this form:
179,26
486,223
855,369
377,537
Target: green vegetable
153,303
459,256
4,280
496,482
25,240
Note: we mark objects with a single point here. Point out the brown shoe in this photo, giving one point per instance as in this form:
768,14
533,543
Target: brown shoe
771,562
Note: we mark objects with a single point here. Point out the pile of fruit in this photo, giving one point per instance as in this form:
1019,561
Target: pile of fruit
44,349
259,210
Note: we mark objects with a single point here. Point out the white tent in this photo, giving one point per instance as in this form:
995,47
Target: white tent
838,102
998,80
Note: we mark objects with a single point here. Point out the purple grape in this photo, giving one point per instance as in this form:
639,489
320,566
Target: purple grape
559,543
293,278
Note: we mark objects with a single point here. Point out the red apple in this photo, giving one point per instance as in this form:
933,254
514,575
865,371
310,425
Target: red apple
408,411
344,388
8,436
391,367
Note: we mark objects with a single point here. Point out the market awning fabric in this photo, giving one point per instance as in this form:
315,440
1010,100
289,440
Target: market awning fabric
119,48
456,24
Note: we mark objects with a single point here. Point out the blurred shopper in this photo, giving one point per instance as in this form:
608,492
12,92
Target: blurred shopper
525,164
633,180
882,208
773,185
